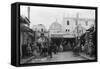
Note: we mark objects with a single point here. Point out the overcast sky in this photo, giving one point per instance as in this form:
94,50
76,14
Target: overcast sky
48,15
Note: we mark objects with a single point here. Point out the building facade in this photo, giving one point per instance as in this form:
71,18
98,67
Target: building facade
40,30
75,26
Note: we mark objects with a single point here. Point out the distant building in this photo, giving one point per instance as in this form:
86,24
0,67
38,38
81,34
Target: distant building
40,30
34,27
70,27
55,29
60,30
39,27
77,25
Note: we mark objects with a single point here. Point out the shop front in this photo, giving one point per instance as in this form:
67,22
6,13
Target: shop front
64,41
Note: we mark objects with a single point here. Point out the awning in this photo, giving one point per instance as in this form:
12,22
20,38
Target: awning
24,28
62,35
24,20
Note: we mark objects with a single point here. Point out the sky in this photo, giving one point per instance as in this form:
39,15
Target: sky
48,15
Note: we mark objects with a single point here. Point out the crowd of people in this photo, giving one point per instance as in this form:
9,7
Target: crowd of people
85,46
49,48
40,49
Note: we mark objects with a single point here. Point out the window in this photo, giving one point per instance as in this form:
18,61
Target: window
67,22
67,30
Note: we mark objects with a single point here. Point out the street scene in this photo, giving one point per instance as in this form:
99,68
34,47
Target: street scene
56,34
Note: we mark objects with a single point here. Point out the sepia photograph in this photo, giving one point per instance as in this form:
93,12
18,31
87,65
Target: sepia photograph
52,34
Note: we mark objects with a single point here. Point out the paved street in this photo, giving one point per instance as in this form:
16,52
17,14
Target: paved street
62,56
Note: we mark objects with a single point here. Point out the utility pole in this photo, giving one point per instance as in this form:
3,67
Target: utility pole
77,18
28,10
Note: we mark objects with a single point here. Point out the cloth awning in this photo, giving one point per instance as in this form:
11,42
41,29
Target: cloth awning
61,35
24,28
24,20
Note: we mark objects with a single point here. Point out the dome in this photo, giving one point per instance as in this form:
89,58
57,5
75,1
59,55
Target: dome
55,27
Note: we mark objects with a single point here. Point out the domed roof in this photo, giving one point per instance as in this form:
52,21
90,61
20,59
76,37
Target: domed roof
55,26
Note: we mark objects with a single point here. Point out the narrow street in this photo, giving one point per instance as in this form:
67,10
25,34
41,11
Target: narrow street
61,56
